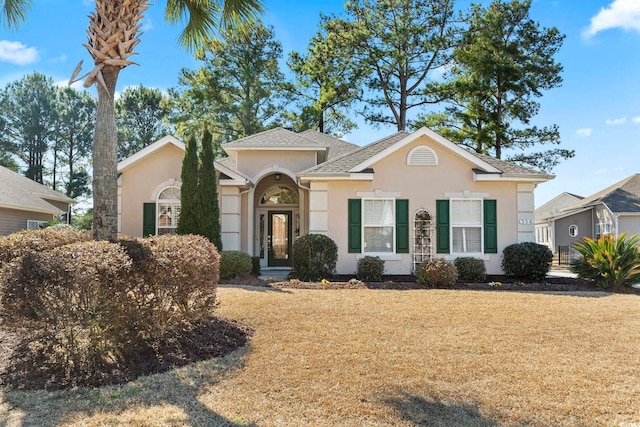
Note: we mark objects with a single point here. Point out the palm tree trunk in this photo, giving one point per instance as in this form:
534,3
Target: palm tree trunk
105,165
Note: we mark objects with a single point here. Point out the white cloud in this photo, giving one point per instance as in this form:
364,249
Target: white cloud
636,120
615,122
61,58
17,53
623,14
584,132
75,85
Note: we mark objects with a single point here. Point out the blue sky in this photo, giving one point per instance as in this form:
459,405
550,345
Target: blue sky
597,107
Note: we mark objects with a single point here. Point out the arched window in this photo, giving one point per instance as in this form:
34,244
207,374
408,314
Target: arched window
279,195
168,210
422,156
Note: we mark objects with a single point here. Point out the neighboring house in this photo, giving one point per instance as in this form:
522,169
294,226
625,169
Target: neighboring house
544,235
25,203
614,210
404,198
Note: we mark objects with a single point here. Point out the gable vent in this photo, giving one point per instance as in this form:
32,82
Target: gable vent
422,156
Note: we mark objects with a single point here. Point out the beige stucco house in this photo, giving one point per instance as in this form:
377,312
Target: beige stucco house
404,198
26,204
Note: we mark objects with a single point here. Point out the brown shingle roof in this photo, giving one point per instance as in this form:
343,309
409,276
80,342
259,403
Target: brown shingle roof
19,192
336,146
277,137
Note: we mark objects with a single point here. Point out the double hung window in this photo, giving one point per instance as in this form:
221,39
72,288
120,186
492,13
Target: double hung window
466,226
378,222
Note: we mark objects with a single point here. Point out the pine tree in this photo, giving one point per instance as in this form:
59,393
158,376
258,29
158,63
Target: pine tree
208,210
188,223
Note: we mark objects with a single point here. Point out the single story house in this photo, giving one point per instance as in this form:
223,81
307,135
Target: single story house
25,203
614,210
553,207
405,198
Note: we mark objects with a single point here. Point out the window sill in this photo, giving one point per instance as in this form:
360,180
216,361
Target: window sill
383,256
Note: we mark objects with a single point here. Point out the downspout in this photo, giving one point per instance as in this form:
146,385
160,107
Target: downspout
303,212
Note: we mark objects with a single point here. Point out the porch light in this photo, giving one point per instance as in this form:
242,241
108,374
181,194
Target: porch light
278,176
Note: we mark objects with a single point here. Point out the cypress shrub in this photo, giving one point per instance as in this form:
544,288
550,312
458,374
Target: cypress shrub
189,177
208,209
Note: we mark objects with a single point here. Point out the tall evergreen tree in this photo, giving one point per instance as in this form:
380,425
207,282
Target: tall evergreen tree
188,223
505,62
208,209
399,43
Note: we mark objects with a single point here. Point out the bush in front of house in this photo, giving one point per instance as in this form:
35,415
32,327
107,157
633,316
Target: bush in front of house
255,266
370,269
95,307
436,272
528,261
235,264
471,269
610,261
314,257
69,298
32,241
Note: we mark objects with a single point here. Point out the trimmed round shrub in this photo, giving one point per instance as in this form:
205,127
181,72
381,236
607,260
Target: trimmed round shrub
370,269
527,261
436,272
234,264
31,241
314,257
471,269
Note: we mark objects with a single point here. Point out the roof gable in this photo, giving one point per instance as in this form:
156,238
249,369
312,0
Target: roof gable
621,197
148,150
21,193
361,160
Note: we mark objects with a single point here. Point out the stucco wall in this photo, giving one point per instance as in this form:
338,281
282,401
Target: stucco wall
12,220
142,182
422,185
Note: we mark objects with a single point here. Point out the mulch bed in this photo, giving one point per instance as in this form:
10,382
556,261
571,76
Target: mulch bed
23,364
493,283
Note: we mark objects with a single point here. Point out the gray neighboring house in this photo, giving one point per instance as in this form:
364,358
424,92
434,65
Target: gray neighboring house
25,203
553,207
614,210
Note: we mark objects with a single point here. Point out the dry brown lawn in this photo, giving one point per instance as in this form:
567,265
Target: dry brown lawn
386,358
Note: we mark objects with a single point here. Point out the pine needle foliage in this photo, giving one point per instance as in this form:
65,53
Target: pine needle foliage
610,261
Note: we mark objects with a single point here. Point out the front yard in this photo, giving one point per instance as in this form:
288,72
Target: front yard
361,357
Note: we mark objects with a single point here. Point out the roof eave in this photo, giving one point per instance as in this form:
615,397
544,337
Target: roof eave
536,178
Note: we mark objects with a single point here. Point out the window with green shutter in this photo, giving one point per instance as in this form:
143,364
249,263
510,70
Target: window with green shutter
490,227
148,219
402,226
442,226
354,226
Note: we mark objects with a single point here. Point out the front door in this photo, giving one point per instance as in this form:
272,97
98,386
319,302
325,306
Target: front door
279,239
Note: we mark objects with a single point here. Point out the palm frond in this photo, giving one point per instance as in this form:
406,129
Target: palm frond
14,12
204,18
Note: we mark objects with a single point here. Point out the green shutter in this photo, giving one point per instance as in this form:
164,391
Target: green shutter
490,227
355,226
148,219
402,226
442,226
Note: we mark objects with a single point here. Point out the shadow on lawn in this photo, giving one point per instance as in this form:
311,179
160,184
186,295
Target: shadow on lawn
141,402
433,412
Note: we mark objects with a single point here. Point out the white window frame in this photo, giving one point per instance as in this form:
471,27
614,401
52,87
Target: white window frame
576,228
603,225
393,226
453,225
173,203
35,224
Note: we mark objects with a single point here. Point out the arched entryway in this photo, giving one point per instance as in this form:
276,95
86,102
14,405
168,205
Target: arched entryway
277,220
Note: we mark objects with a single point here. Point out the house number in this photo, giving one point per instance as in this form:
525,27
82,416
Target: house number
526,221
